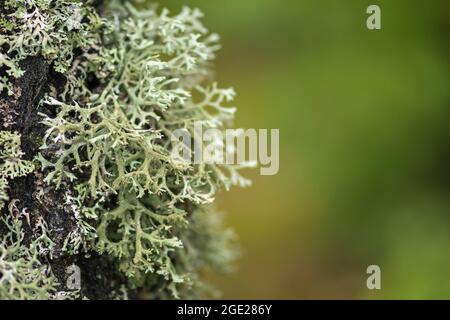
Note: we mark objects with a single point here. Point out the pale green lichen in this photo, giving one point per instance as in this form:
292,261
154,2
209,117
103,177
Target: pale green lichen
3,192
49,28
11,163
23,276
111,142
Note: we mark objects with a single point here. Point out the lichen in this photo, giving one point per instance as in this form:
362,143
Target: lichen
23,275
11,163
52,29
132,78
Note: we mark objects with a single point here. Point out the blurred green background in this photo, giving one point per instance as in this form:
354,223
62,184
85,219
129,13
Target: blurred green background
363,117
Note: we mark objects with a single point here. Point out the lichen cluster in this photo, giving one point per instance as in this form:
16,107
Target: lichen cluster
52,29
24,276
11,163
132,76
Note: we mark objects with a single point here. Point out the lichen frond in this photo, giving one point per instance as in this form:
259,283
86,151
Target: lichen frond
11,163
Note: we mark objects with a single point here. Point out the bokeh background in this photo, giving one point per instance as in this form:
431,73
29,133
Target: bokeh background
364,133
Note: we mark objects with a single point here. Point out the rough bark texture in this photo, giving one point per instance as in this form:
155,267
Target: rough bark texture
99,276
